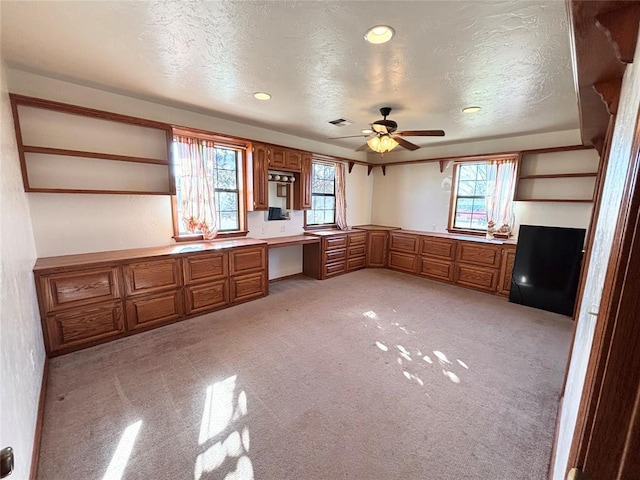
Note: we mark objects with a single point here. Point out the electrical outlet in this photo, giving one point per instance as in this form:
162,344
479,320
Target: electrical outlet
282,228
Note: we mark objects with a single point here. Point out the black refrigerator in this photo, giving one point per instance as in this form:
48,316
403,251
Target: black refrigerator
546,270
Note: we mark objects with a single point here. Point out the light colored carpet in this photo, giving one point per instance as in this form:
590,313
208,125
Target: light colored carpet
370,375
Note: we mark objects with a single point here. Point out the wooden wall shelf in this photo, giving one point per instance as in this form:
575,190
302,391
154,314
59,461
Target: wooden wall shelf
560,175
99,155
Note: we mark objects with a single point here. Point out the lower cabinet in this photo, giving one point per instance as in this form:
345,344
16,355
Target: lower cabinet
482,278
248,286
156,309
84,325
405,262
435,268
206,297
506,269
377,249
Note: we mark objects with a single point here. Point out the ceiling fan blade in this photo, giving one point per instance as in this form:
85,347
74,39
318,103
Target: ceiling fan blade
349,136
404,143
422,133
363,147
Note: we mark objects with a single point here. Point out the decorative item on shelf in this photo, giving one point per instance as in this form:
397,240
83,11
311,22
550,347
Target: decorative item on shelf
292,179
270,177
284,178
491,229
282,190
276,177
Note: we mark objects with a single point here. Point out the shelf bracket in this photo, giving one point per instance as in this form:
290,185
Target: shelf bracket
609,91
369,168
351,164
384,170
621,27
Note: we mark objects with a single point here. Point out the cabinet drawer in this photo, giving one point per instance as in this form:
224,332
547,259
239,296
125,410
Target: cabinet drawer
247,259
74,289
335,255
202,298
357,251
482,278
153,276
402,261
250,285
438,247
355,263
357,238
402,242
440,269
86,324
335,269
293,160
210,266
335,242
154,309
476,253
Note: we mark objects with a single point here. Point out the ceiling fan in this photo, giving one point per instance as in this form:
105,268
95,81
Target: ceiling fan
385,138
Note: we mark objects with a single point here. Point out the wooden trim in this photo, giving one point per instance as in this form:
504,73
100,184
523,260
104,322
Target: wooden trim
288,277
621,27
101,156
326,226
369,168
560,175
462,231
553,200
37,440
221,138
330,158
86,112
105,192
609,92
200,238
18,131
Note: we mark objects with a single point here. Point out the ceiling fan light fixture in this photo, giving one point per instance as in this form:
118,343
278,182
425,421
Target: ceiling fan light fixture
367,131
379,34
382,143
471,109
262,96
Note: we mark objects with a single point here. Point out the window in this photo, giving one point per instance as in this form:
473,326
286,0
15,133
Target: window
323,195
203,167
469,191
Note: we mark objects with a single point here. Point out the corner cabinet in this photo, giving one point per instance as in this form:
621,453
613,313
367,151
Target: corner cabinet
89,299
302,186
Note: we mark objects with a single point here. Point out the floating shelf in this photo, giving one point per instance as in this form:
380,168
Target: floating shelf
560,175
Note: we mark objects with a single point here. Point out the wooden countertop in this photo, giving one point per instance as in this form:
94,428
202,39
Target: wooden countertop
291,240
375,227
326,233
65,261
466,238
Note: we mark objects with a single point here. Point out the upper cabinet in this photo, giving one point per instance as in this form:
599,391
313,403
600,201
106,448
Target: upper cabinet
302,187
293,161
278,156
260,156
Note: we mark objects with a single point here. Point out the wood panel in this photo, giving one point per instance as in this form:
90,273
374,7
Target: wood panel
293,160
248,286
436,268
333,269
205,268
302,186
247,259
333,256
478,254
506,269
403,242
77,288
206,297
338,241
277,158
357,251
85,324
402,261
260,160
359,238
482,278
152,276
438,247
156,309
377,249
355,263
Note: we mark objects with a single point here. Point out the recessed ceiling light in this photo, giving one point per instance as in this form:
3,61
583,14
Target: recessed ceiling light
367,131
262,96
379,34
471,109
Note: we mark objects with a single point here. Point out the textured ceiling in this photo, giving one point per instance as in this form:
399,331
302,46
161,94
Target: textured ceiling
510,57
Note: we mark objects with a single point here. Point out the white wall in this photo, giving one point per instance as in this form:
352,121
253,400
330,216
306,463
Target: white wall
416,196
21,346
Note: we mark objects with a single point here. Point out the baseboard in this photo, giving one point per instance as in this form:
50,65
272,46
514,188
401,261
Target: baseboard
37,439
287,277
552,460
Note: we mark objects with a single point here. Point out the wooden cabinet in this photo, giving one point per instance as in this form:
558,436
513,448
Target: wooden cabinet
444,248
506,269
356,250
478,265
260,191
437,255
302,185
479,254
377,249
293,161
334,257
403,250
404,262
482,278
403,242
436,269
277,157
337,253
82,304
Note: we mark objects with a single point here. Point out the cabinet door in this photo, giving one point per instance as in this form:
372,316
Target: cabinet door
444,248
260,178
436,268
293,160
151,276
404,262
482,278
156,309
478,253
243,260
302,186
74,289
246,287
206,297
277,159
506,269
204,267
403,242
377,249
80,326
